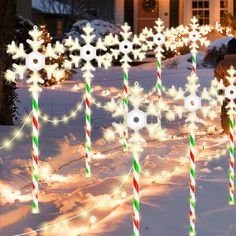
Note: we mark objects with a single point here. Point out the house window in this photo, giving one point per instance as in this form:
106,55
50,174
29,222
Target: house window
59,28
201,9
223,11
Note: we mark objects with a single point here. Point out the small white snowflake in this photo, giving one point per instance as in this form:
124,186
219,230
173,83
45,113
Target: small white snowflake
193,102
137,118
159,39
196,34
127,46
85,53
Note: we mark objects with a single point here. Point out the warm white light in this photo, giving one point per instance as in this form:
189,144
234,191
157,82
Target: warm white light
93,220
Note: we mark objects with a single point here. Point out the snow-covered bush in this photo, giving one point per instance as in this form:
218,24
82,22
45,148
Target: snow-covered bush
23,26
183,61
216,51
102,28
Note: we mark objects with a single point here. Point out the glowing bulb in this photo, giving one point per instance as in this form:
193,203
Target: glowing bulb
73,114
7,144
65,119
17,134
204,145
84,214
55,121
92,220
124,195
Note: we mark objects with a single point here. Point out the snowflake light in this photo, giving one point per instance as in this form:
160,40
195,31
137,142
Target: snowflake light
30,66
227,99
193,102
195,37
84,54
127,47
160,39
137,122
155,41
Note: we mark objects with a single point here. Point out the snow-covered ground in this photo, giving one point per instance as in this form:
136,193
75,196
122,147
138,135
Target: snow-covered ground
68,199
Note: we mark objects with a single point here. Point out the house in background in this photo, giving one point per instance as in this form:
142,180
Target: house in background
172,12
55,16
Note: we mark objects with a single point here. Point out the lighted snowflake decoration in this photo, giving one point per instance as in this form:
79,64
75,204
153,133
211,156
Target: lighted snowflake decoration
196,34
85,53
137,118
33,63
228,92
126,46
159,38
193,101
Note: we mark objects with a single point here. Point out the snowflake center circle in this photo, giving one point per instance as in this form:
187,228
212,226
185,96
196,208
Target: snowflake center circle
192,102
35,61
231,92
126,46
88,52
136,119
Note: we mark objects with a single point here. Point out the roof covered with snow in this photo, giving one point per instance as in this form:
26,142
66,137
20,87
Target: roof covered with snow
51,7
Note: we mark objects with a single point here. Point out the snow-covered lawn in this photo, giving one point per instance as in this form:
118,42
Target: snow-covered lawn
65,192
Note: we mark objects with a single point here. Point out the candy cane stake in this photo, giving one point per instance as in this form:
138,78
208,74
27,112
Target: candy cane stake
231,161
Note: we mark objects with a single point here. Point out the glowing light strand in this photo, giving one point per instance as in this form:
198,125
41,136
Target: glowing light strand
18,133
163,177
65,118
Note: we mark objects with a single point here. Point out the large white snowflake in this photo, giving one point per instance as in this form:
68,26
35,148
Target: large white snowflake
193,101
160,37
126,46
227,92
196,34
30,64
88,51
137,118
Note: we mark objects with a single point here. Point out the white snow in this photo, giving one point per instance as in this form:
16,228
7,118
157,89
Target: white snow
183,61
101,28
219,42
65,192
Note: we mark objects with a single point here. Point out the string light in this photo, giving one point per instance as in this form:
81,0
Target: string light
18,69
92,220
8,143
84,213
65,118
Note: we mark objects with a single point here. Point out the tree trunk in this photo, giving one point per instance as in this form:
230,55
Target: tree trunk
8,95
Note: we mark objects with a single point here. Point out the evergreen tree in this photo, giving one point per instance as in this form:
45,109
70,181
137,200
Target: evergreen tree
8,95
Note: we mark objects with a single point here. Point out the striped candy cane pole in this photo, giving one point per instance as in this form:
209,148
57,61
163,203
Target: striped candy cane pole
136,203
192,199
35,154
194,62
159,84
88,127
125,103
231,161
